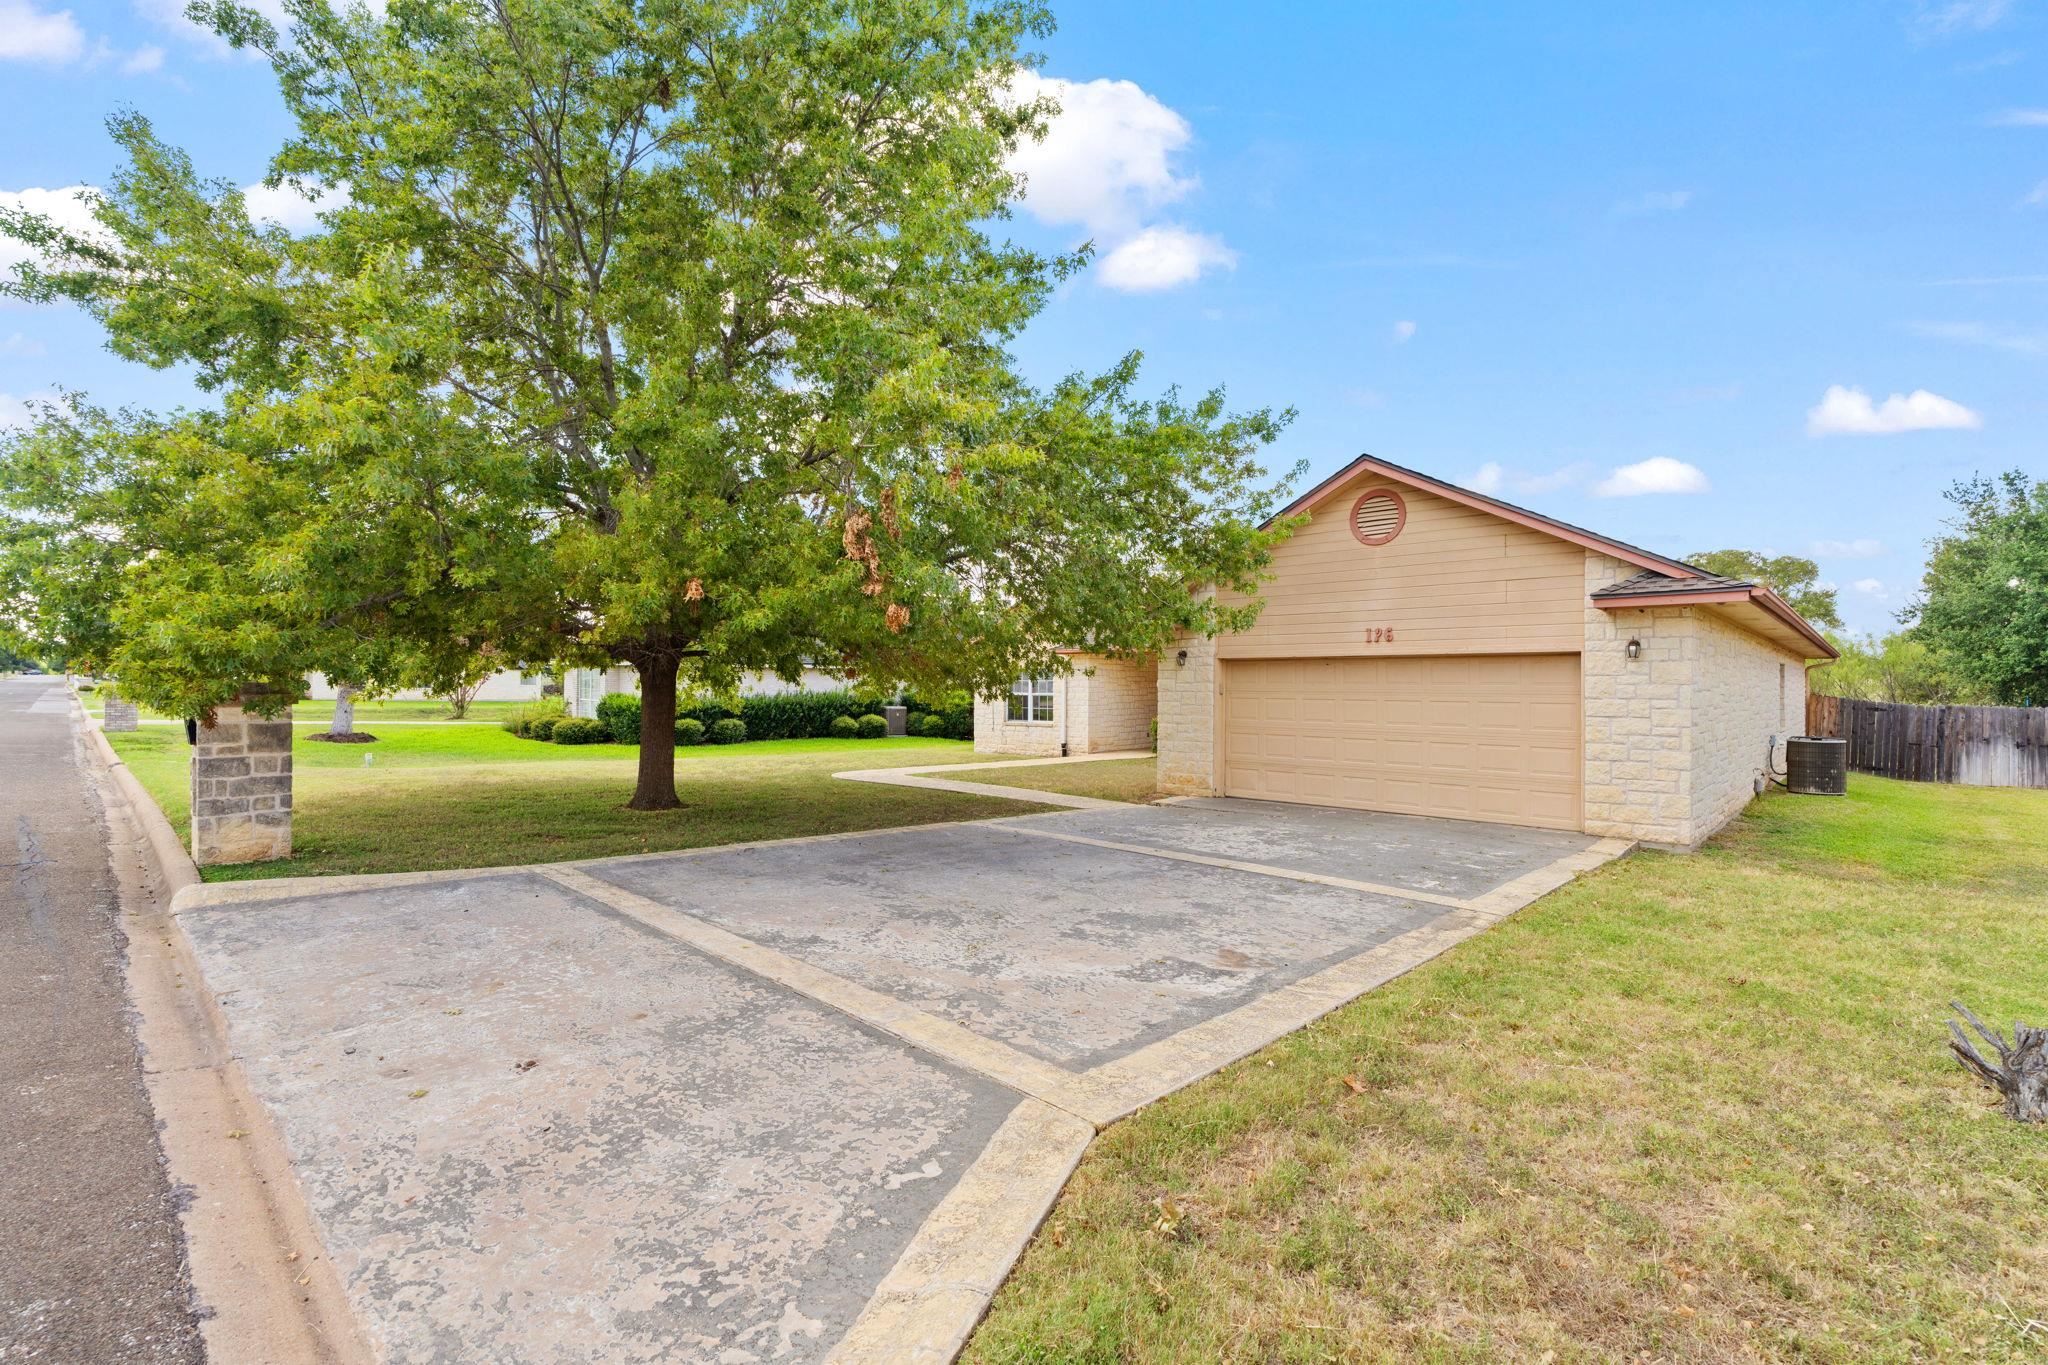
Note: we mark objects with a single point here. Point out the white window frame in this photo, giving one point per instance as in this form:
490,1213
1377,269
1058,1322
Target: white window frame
1030,701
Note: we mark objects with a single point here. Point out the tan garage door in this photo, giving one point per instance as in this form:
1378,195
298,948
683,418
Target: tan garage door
1478,737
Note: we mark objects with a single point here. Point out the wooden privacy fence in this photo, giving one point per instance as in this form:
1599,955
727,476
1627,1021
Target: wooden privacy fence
1978,746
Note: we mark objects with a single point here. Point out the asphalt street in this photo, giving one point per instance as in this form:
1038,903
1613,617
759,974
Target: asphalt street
91,1259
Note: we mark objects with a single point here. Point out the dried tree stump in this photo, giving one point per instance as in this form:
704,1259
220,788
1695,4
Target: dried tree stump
2021,1073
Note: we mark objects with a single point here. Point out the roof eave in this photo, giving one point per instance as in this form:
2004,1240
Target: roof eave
1758,596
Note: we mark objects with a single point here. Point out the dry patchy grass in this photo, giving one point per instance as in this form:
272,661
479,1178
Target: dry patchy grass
1687,1109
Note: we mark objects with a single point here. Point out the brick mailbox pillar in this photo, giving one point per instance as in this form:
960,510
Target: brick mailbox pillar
242,788
121,717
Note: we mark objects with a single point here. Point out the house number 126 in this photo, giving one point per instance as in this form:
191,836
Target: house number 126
1379,635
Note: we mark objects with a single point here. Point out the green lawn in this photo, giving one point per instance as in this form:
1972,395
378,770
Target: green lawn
474,796
1115,779
1687,1109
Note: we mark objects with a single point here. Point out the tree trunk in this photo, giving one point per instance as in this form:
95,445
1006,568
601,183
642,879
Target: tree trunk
655,788
344,711
2021,1073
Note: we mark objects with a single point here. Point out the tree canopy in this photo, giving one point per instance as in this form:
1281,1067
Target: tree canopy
1897,667
1795,579
1984,600
666,334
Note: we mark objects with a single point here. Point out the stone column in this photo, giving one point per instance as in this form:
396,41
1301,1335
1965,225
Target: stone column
121,717
242,788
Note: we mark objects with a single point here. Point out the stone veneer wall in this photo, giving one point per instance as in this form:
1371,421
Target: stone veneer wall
1750,695
1120,697
1675,739
121,717
242,788
1637,731
1187,718
996,733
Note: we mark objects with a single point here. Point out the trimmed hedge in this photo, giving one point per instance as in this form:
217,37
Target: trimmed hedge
872,726
731,730
619,713
543,727
789,715
576,730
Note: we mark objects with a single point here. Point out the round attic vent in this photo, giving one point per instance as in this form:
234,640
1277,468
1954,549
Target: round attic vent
1377,517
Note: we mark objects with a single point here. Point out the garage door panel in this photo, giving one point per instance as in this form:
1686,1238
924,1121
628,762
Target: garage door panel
1487,737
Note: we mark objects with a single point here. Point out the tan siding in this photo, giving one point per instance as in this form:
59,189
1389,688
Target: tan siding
1473,737
1455,581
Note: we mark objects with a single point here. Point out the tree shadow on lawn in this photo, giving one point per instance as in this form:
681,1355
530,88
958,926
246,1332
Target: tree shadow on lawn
353,822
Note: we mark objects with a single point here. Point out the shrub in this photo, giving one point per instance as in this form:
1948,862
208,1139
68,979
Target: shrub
954,710
844,727
543,727
872,726
576,730
731,730
689,730
619,713
933,724
520,717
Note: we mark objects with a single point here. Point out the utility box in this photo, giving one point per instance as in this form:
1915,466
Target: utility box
898,718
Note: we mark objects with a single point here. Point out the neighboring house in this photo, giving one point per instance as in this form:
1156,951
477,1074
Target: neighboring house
505,685
584,688
1428,650
1102,706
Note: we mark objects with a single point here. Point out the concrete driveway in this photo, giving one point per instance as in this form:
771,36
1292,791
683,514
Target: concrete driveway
794,1101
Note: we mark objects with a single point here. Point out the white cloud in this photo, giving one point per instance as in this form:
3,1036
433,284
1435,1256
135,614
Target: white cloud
290,209
1656,201
1493,479
1869,587
1106,160
1977,334
2020,118
2037,195
1658,474
27,34
1404,331
1163,257
1864,548
1106,164
15,412
142,61
69,208
19,345
1849,412
1950,17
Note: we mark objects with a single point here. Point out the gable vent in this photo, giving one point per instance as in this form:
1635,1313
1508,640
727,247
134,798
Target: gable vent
1377,517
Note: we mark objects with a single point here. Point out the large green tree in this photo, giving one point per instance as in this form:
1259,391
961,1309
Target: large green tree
1897,667
673,334
1793,578
1984,600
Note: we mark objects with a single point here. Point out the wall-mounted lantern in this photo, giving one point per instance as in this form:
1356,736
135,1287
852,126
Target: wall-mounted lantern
1180,660
1635,648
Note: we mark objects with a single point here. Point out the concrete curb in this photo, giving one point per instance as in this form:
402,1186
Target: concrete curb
933,1298
259,1269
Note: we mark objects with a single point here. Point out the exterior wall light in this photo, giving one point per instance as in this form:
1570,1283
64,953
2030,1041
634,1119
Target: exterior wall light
1180,660
1635,648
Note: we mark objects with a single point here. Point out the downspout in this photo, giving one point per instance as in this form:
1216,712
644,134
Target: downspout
1063,698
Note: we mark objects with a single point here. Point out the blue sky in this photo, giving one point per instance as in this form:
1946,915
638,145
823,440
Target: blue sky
1757,275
